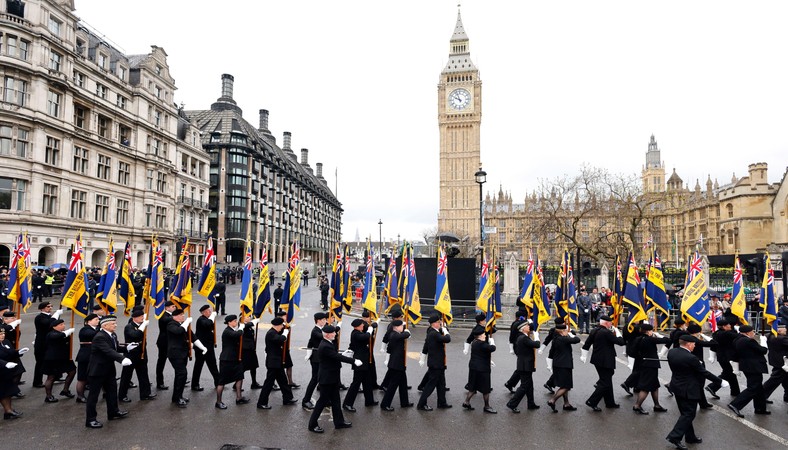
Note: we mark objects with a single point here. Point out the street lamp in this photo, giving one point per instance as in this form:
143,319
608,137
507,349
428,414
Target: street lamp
380,241
481,178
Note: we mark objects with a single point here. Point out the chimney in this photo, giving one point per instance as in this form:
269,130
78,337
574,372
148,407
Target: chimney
286,141
263,120
227,86
304,157
319,168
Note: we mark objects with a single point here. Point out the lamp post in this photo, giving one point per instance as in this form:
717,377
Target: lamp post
380,241
481,178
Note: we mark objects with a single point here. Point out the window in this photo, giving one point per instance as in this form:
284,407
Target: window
157,91
157,117
52,152
124,172
121,102
161,182
80,116
102,61
21,142
53,104
104,167
79,79
79,204
122,73
12,194
15,91
161,217
122,215
55,25
104,127
18,48
730,237
50,199
148,215
124,133
149,180
158,70
12,144
81,160
55,59
101,90
102,208
729,210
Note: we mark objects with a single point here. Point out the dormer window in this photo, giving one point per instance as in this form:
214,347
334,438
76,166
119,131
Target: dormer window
158,70
122,73
102,61
55,25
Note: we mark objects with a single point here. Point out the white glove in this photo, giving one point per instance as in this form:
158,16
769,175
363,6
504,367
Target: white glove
69,332
126,362
763,342
145,317
132,345
492,363
308,354
383,347
357,362
212,317
705,338
406,331
535,336
285,332
15,323
712,357
422,360
663,352
491,341
572,335
444,330
658,335
56,314
348,353
541,349
735,367
255,322
785,367
186,323
617,331
199,345
549,364
584,356
23,350
736,327
465,348
725,384
10,365
511,349
631,363
144,325
386,362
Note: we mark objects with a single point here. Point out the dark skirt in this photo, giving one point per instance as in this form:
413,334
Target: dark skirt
7,386
648,379
562,377
230,372
478,382
250,361
288,361
82,370
58,367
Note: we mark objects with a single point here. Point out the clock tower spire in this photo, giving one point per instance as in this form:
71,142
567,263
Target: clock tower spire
459,122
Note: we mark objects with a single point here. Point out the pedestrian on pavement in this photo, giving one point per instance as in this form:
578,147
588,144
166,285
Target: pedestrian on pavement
230,363
275,340
752,361
220,297
178,353
479,370
104,353
584,309
604,360
435,341
330,361
525,348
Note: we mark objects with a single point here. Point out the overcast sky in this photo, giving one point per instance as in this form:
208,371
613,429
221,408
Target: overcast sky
564,83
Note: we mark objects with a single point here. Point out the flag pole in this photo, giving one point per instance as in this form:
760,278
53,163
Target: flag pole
18,331
71,337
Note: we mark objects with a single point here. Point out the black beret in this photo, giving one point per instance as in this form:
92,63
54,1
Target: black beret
204,307
328,329
397,313
282,313
646,327
559,320
678,321
177,312
606,318
9,314
138,308
357,323
57,322
520,313
365,313
745,329
397,323
320,315
230,318
560,327
477,331
138,313
722,322
434,318
97,308
90,317
694,328
688,338
480,317
43,305
277,321
168,303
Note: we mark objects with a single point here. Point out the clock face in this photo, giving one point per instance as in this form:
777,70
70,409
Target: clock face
459,99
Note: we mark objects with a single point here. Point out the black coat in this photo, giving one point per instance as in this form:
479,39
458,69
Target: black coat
132,333
778,349
177,340
274,345
56,347
514,333
647,351
204,332
314,341
436,348
688,374
103,356
164,320
604,342
231,341
726,350
43,323
524,349
752,356
562,354
481,353
330,361
359,343
396,349
86,335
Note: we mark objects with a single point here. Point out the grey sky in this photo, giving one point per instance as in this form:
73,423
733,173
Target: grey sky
564,82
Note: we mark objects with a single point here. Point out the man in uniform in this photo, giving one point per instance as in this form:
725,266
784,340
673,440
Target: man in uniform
725,337
288,359
275,340
514,333
178,353
161,344
604,359
397,373
104,353
396,314
686,383
135,332
43,324
752,361
278,292
525,349
204,339
330,361
436,340
220,298
362,375
778,350
311,355
372,329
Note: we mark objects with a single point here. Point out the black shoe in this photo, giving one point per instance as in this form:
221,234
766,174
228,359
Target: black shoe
678,444
82,400
181,403
316,429
712,393
387,408
67,394
552,406
763,412
94,424
489,410
549,388
514,409
736,411
50,399
339,426
407,405
424,408
308,406
570,408
12,415
448,389
260,386
640,410
626,388
20,395
511,389
198,388
697,440
124,400
186,399
265,407
593,407
446,406
706,406
769,402
349,408
119,415
660,409
342,387
152,396
292,401
132,385
613,406
468,406
162,387
242,401
295,386
220,405
533,407
670,391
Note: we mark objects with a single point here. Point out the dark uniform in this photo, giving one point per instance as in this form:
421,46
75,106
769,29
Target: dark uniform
249,352
604,359
274,348
206,334
161,344
230,364
632,339
315,337
43,324
362,375
330,361
397,370
752,361
525,349
178,354
220,297
778,349
550,383
726,352
86,335
139,363
435,342
514,334
101,375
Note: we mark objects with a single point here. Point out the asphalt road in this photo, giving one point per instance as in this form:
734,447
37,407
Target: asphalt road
159,425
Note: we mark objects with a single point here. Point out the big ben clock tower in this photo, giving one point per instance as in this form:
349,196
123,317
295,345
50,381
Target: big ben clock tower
459,121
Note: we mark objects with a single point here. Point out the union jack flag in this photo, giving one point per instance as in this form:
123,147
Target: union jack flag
76,257
210,256
696,267
634,269
264,258
248,259
737,272
442,261
296,258
485,269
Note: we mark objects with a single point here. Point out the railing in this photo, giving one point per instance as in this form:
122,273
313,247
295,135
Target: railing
15,19
188,201
190,233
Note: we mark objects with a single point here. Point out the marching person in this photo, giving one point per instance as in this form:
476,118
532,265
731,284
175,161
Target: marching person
161,344
550,383
481,324
104,353
726,338
288,360
396,314
249,349
204,339
648,370
479,369
57,360
330,361
134,332
315,337
525,349
604,360
752,361
86,334
397,367
10,369
514,334
563,365
686,382
230,363
680,329
278,292
9,324
178,353
275,340
632,339
362,374
778,351
372,329
695,330
43,324
436,340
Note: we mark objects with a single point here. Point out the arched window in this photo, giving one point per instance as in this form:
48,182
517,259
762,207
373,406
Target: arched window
729,208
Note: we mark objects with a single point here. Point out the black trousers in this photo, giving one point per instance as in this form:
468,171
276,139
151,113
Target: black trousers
632,379
161,362
728,375
143,381
604,387
754,392
38,369
179,384
279,376
683,428
361,378
551,381
220,301
513,380
398,379
310,387
436,380
526,390
209,359
110,389
777,378
329,394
